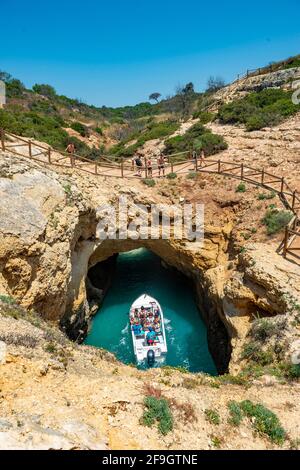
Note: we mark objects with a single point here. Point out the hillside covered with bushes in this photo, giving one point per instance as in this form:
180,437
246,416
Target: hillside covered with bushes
42,114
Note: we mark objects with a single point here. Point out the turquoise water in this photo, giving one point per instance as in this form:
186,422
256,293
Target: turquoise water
138,272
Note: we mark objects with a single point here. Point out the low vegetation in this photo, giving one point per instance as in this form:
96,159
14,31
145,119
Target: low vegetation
212,416
152,130
264,421
235,413
149,182
254,352
260,109
196,138
275,220
80,128
157,411
241,188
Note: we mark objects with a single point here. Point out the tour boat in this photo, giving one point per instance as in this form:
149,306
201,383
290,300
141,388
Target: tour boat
148,330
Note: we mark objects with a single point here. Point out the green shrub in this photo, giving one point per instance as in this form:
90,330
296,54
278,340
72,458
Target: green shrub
236,413
264,421
241,188
153,130
67,189
216,441
149,182
232,379
45,90
192,175
255,123
7,299
292,371
171,176
212,416
80,128
157,411
263,196
50,348
264,328
196,138
253,351
99,130
275,220
267,107
14,88
204,116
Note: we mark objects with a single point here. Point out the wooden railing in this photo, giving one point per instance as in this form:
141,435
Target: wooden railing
258,71
180,163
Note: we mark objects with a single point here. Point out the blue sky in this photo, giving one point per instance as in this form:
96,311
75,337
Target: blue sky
117,52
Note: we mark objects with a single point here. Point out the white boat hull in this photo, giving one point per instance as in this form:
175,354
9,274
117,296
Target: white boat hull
140,346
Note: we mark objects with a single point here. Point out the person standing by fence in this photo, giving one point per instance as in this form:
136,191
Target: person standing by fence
195,158
71,150
202,158
149,167
139,165
161,164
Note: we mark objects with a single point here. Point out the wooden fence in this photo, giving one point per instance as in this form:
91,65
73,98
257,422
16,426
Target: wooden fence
179,163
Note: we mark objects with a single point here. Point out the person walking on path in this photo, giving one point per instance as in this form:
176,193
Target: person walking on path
202,158
161,164
139,165
149,167
71,150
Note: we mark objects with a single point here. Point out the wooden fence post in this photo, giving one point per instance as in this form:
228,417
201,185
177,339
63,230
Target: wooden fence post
219,166
49,155
96,168
145,163
2,135
172,168
285,241
122,167
242,171
282,185
262,176
30,148
293,200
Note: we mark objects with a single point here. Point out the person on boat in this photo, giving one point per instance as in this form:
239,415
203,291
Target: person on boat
150,336
156,313
137,329
142,314
150,314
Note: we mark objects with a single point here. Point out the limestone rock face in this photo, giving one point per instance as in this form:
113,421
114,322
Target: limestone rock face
49,241
266,281
264,284
240,88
